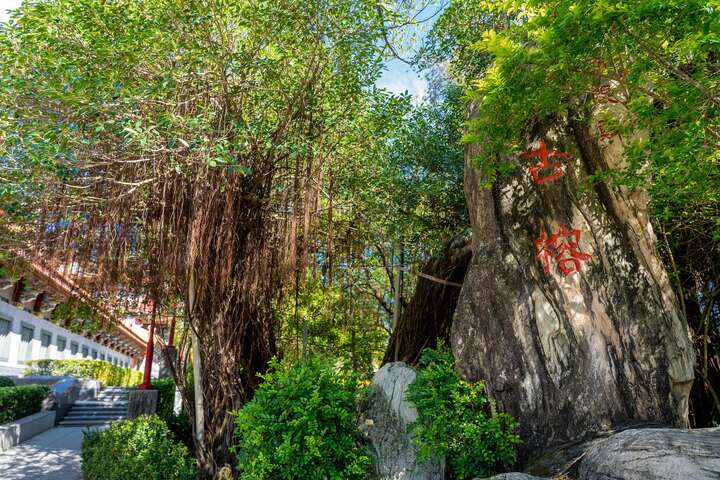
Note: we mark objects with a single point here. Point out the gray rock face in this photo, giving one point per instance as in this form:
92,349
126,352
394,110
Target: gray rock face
655,454
384,421
566,311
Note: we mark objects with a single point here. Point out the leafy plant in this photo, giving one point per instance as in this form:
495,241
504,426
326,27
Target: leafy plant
301,424
341,324
6,382
105,372
77,316
179,424
456,420
19,402
166,396
139,448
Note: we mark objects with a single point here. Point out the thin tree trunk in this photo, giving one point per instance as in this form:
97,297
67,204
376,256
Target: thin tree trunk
197,369
198,388
398,286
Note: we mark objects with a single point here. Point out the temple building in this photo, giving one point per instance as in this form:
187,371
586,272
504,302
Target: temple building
31,328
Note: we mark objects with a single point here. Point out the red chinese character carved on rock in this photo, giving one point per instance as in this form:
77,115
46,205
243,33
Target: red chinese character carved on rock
544,155
563,247
605,135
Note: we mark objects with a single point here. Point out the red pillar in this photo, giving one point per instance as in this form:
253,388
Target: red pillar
149,352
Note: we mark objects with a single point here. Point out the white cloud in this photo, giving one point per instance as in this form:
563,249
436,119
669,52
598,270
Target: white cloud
403,81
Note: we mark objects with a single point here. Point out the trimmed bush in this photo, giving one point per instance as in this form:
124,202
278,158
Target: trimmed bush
179,424
19,402
6,382
166,396
105,372
456,420
142,448
302,423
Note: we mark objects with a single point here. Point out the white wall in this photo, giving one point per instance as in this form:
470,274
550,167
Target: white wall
15,365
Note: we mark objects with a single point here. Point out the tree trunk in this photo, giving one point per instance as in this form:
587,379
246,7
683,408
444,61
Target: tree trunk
228,378
427,318
234,275
566,312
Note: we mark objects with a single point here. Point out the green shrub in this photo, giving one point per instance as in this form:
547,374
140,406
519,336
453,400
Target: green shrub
105,372
6,382
455,419
19,402
140,449
301,424
179,424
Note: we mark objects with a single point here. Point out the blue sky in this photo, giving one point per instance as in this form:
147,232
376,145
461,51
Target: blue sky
397,78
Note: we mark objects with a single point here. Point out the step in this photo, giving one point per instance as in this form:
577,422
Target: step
95,414
90,421
106,418
83,423
91,428
95,403
101,409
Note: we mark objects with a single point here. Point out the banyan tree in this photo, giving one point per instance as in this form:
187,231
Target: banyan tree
181,149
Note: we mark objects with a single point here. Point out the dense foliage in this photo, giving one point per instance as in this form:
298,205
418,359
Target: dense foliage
77,316
655,59
21,401
6,382
339,324
178,423
140,448
107,373
166,396
187,149
396,202
302,423
235,158
457,421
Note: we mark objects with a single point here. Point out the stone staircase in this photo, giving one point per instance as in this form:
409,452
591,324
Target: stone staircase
110,405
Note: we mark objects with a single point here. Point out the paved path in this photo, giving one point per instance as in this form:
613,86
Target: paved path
52,455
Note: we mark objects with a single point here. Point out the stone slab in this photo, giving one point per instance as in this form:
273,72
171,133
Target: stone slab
142,402
168,356
14,433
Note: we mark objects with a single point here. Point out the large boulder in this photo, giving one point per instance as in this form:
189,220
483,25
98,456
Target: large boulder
654,454
566,311
385,420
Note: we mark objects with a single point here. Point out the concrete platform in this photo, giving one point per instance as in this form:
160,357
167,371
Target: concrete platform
51,455
22,429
